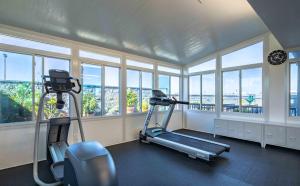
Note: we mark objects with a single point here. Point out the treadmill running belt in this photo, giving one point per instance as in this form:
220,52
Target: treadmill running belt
202,145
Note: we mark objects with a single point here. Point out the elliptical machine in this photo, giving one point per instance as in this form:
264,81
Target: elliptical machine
84,163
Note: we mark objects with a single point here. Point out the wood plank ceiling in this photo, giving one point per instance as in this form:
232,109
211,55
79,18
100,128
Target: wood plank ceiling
175,31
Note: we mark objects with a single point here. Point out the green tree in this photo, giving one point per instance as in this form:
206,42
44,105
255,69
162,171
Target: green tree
132,98
22,95
89,103
145,106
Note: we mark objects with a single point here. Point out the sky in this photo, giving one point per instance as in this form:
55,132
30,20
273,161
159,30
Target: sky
252,54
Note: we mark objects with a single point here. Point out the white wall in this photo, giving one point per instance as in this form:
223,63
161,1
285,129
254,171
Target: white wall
16,142
200,121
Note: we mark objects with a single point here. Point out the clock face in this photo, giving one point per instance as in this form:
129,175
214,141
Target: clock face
277,57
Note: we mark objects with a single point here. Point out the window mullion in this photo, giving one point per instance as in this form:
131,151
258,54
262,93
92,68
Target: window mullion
43,73
140,88
170,77
240,90
102,90
200,92
33,87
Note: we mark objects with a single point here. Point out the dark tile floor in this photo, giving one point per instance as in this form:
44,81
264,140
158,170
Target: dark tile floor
152,165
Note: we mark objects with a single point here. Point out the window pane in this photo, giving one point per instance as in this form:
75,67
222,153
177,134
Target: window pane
168,69
175,87
98,56
249,55
91,92
294,109
146,90
138,64
231,91
164,84
133,91
206,66
208,92
8,40
252,90
15,87
112,91
50,110
194,91
294,54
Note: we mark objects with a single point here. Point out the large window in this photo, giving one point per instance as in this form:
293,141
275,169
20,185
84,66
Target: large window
202,92
91,91
231,91
98,100
202,86
242,91
170,86
42,67
139,86
112,91
18,97
242,80
294,106
15,87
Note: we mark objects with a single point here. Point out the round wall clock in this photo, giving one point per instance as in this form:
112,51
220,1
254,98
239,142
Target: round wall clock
277,57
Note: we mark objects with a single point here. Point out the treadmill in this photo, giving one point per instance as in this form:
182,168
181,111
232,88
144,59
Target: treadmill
194,147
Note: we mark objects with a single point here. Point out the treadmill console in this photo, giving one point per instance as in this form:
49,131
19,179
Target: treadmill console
160,98
158,94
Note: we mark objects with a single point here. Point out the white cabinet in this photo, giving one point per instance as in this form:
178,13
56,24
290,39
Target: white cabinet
239,129
252,131
221,127
235,129
275,135
279,134
293,138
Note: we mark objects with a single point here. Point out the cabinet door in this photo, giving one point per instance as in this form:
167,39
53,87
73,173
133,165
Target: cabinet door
275,135
235,129
293,138
252,131
221,127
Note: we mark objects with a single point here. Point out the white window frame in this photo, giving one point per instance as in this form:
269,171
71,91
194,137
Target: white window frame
18,50
102,65
288,72
201,74
140,87
240,69
180,85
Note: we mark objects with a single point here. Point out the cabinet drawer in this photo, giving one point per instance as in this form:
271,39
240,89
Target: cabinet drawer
293,138
275,135
252,132
235,129
221,127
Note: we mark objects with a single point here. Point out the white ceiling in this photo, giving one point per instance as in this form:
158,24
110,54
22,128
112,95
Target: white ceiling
177,31
282,18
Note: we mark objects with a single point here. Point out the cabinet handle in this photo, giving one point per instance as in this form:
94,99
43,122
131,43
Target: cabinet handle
269,134
248,131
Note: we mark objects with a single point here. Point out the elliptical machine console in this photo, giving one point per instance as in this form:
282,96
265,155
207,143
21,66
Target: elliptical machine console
84,163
